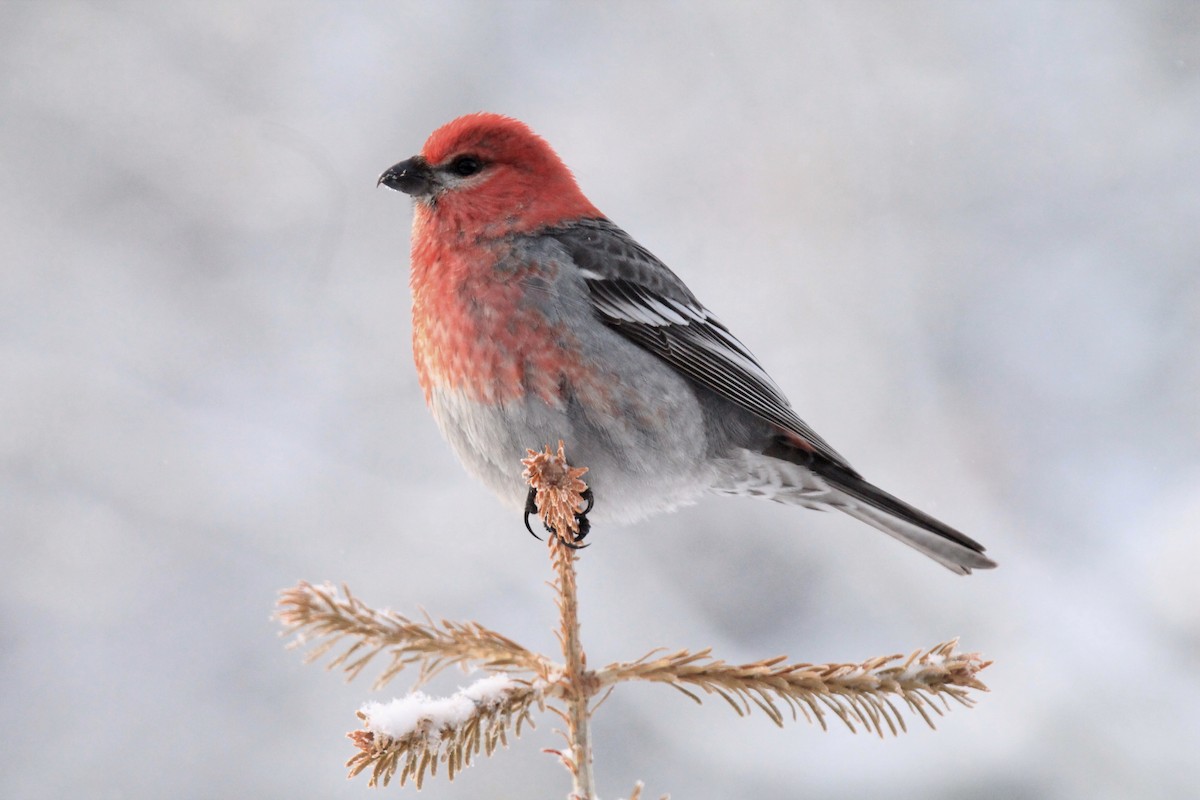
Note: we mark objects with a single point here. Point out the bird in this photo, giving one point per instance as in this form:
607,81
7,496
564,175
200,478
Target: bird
536,318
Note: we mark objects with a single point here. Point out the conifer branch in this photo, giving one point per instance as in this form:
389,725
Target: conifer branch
409,738
857,694
414,735
312,612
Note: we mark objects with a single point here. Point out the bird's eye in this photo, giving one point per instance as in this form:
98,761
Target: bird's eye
464,166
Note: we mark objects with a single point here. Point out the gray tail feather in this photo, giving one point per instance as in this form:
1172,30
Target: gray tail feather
952,549
950,554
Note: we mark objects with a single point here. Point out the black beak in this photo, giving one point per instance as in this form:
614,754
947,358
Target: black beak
414,177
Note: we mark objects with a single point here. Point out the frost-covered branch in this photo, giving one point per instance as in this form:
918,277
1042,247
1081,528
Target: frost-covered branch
414,734
411,736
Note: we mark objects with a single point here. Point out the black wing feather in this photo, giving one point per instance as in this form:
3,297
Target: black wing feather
638,296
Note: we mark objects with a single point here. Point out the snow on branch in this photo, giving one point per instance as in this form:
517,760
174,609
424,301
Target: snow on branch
414,734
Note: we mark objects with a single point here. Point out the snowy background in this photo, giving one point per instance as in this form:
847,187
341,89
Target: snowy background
962,236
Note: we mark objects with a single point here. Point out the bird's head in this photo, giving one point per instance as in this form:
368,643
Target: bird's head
492,175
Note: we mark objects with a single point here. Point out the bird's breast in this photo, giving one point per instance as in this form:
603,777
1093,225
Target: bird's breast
481,330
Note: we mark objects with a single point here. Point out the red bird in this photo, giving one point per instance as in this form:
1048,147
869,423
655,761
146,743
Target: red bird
536,319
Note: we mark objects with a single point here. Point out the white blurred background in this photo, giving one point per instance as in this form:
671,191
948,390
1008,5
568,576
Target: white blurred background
964,237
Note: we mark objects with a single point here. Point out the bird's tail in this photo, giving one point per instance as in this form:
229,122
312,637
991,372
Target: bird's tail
866,502
787,474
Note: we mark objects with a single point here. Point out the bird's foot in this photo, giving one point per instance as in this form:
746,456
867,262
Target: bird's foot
585,525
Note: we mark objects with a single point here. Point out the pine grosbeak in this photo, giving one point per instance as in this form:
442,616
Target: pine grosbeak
536,319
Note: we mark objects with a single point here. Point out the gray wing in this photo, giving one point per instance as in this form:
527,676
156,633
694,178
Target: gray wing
636,295
639,297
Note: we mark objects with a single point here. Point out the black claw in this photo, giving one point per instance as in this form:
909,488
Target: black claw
575,545
530,509
585,525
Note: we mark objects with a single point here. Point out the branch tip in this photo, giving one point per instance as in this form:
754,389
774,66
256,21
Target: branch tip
559,490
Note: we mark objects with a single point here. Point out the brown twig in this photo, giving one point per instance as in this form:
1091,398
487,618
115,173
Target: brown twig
560,497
